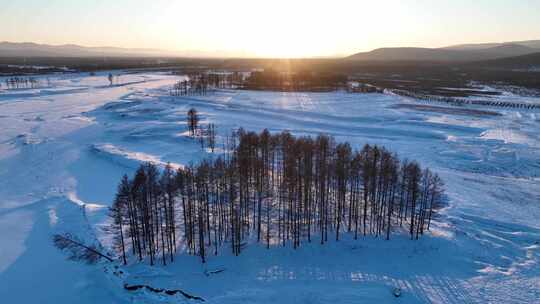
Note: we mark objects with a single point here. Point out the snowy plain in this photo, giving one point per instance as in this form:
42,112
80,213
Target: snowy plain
64,147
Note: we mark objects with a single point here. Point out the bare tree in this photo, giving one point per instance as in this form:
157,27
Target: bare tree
211,135
193,121
116,212
77,250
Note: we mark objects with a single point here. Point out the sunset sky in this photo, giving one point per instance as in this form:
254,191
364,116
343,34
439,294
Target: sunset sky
264,28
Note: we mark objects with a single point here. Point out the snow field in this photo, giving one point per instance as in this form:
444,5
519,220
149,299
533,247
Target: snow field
64,148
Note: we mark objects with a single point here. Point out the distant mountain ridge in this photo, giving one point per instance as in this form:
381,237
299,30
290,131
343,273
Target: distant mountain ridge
455,53
30,49
525,62
535,44
464,52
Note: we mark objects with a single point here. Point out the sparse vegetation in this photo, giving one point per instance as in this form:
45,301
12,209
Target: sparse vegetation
21,83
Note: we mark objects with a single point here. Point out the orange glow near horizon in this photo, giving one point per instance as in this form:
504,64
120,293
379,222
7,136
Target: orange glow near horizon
278,28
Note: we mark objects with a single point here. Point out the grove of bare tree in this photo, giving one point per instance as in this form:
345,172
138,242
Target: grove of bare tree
275,189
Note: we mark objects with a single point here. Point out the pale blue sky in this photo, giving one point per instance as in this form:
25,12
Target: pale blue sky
268,27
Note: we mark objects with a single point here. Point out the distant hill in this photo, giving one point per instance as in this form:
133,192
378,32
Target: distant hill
509,49
464,52
28,49
535,44
414,54
526,62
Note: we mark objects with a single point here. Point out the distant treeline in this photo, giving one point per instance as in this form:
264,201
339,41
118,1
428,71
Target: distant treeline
463,101
201,83
295,81
276,189
101,63
21,83
427,76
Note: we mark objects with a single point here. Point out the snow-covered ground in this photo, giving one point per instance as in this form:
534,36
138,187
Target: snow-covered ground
64,147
